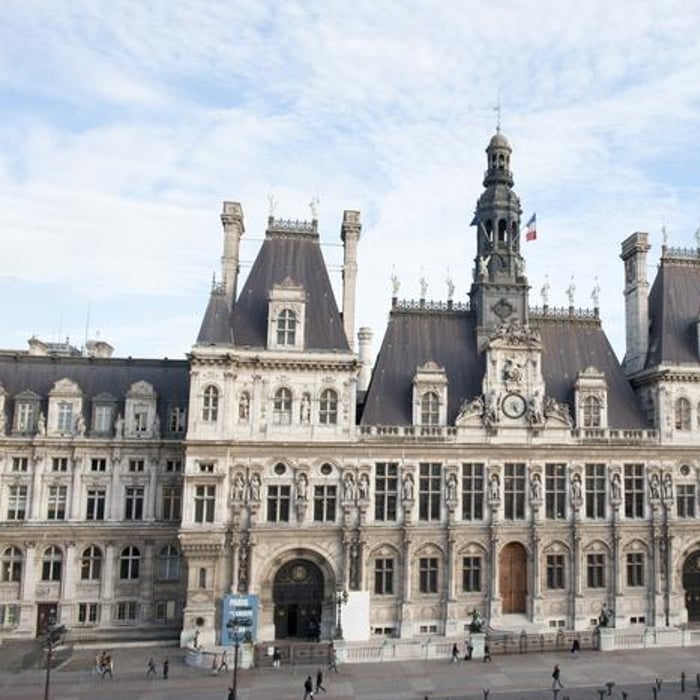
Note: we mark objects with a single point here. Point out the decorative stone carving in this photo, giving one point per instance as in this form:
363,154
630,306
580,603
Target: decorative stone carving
408,487
576,491
349,490
119,427
667,487
536,488
472,408
451,488
495,488
616,488
654,487
302,487
557,412
363,488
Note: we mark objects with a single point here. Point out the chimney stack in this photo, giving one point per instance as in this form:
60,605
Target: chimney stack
634,254
364,341
350,235
234,228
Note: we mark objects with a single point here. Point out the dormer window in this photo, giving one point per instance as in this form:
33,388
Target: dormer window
328,407
282,407
65,408
102,421
286,328
210,404
142,419
430,395
682,414
430,409
591,412
26,412
285,316
65,417
177,419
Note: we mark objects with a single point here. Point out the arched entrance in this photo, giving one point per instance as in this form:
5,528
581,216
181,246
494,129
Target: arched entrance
512,566
298,597
691,584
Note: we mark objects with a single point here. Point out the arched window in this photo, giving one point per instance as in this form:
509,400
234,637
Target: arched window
502,229
430,408
129,563
210,404
169,563
328,408
591,412
282,410
202,578
11,565
52,564
91,564
286,328
244,407
682,414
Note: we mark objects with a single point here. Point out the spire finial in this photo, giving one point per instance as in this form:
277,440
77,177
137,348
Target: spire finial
498,110
664,234
395,282
545,291
570,291
450,286
423,285
313,206
595,294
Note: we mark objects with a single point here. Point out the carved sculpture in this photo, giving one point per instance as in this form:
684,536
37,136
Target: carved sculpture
536,487
349,487
451,488
363,488
668,486
654,487
408,487
302,487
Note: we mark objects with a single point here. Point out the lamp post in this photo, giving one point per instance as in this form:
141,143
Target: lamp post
54,633
233,694
341,598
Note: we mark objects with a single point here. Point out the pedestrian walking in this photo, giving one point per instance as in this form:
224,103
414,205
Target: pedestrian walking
166,669
332,658
487,653
470,650
308,689
556,679
107,665
276,658
575,648
223,666
319,681
97,668
455,654
231,694
151,666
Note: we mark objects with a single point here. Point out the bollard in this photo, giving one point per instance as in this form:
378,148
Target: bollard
601,693
682,681
624,695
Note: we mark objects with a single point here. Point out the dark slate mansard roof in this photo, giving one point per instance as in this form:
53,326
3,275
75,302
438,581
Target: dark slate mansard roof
674,303
95,377
448,338
284,254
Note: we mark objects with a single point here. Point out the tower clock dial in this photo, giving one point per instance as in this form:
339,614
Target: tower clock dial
513,405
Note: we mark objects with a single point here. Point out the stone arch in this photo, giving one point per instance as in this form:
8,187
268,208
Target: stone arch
297,594
690,577
512,567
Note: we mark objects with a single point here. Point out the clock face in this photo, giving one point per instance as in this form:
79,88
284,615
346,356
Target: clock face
514,405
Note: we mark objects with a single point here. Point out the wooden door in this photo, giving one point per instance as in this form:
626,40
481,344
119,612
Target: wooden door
513,578
45,617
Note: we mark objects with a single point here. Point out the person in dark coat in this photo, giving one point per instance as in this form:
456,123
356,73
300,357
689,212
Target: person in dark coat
166,669
556,680
319,681
308,689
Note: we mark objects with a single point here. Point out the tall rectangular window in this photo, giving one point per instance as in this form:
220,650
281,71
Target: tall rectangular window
428,575
324,504
88,613
98,464
429,491
634,490
26,417
56,502
137,465
103,419
555,571
471,574
126,611
140,419
173,465
95,507
514,492
685,500
472,491
278,498
595,491
170,503
555,491
595,570
635,569
383,576
176,419
20,464
204,502
65,417
386,484
17,503
59,464
133,503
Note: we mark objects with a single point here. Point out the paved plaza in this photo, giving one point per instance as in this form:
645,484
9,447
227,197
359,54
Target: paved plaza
525,677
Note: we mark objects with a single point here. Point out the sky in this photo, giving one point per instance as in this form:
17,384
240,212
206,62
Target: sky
126,124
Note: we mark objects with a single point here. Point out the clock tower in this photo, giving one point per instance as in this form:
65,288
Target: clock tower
499,288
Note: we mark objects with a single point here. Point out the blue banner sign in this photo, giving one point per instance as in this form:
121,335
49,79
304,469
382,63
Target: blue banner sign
239,621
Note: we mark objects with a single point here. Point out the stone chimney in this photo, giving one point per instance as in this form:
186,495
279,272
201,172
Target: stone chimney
98,348
364,341
350,235
234,228
634,254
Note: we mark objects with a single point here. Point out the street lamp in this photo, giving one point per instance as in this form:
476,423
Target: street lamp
54,633
341,598
233,691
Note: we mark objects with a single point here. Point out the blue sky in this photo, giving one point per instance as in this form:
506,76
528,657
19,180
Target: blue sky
125,124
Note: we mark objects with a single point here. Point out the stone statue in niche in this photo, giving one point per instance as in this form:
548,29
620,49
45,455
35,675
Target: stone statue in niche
255,487
305,409
654,487
41,423
536,487
452,488
349,487
495,488
616,487
363,488
408,487
238,487
80,425
119,426
668,487
534,409
576,493
302,487
491,410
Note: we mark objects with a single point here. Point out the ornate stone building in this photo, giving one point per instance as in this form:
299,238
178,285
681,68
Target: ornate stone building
496,457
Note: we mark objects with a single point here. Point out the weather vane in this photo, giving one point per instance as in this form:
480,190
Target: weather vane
271,204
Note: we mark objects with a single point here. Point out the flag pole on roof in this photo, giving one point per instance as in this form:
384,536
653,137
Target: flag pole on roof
531,228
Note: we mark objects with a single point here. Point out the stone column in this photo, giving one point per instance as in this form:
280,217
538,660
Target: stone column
70,570
107,584
151,501
73,506
29,573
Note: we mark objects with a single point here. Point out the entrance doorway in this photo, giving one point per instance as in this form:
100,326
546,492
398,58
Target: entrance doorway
45,616
691,584
513,578
298,597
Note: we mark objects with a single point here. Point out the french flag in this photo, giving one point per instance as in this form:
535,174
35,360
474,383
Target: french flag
531,229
